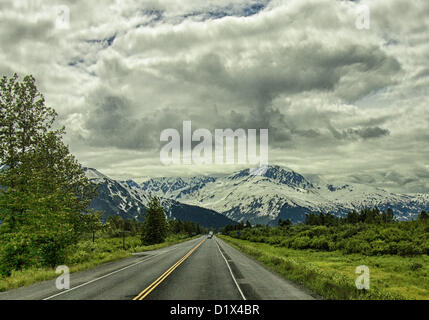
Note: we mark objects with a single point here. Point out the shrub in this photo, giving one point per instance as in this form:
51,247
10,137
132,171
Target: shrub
379,247
416,266
405,248
321,243
301,243
402,238
16,254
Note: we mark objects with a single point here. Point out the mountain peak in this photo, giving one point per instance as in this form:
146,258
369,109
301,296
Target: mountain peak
92,173
284,175
276,173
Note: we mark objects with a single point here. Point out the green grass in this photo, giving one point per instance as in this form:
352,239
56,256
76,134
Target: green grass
332,274
86,255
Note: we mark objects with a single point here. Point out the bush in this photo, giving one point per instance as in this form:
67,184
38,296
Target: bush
405,248
402,238
379,247
321,243
416,266
15,254
301,243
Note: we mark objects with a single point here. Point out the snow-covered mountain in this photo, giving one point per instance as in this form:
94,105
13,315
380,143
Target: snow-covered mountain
128,200
115,197
279,192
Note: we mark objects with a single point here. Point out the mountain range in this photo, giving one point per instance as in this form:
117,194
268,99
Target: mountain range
129,201
262,198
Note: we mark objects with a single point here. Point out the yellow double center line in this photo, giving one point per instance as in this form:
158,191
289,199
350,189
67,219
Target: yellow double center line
149,289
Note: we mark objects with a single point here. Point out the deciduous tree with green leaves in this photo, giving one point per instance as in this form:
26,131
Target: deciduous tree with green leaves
44,190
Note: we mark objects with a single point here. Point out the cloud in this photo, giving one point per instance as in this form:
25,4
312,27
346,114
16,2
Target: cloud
328,92
369,133
364,133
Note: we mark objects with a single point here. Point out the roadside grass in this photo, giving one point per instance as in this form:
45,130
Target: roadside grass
86,255
332,274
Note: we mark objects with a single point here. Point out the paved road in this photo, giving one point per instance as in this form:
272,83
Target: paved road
199,269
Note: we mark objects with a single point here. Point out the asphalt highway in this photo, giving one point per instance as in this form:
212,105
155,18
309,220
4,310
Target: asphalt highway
199,269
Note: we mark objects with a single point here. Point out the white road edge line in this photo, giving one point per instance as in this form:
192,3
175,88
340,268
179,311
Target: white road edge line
230,271
102,277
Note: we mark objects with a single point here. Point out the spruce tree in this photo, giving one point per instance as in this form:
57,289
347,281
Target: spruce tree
156,226
423,216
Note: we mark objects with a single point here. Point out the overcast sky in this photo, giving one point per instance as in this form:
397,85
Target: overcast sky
344,102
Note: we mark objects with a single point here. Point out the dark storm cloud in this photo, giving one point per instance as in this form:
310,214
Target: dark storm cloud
368,133
291,69
327,91
281,72
111,124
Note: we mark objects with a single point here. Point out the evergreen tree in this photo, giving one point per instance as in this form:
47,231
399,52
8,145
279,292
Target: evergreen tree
424,216
284,223
114,225
156,227
389,215
92,223
352,217
330,220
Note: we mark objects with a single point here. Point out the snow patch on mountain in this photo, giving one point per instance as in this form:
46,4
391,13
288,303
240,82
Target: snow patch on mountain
93,174
128,200
281,193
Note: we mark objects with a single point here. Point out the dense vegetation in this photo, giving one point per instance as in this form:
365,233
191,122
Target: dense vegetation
148,231
45,195
332,274
369,232
323,253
